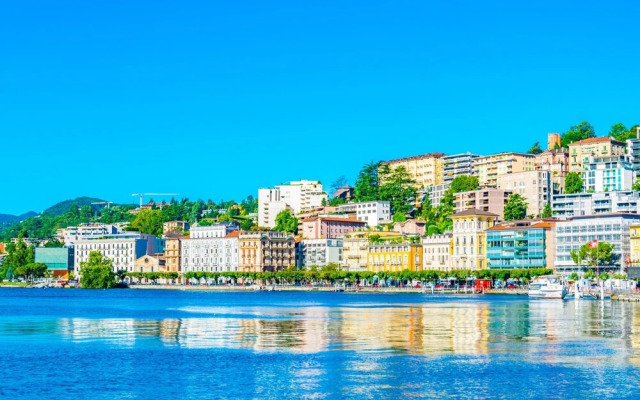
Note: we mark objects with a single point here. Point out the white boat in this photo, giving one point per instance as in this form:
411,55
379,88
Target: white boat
547,287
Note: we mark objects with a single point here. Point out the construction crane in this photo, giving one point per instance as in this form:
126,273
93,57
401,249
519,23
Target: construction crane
105,203
152,194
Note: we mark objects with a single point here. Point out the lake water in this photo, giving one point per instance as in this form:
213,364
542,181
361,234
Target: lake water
157,344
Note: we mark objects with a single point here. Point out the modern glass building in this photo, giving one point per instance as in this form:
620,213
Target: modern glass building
521,244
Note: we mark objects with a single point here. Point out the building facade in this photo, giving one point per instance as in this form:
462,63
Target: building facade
355,248
436,193
88,231
581,204
59,260
577,231
296,196
581,151
217,230
173,252
457,165
210,253
608,174
488,200
320,252
330,227
371,212
469,245
426,169
394,257
410,227
266,251
489,168
122,249
521,244
170,226
535,186
437,251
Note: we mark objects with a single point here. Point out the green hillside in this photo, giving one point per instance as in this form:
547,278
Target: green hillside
63,206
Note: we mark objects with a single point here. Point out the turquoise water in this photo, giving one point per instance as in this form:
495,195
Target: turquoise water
156,344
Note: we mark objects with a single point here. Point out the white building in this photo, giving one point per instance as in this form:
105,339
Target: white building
371,212
608,173
457,165
72,234
437,252
436,193
320,252
217,230
579,204
296,196
610,228
535,186
210,253
122,249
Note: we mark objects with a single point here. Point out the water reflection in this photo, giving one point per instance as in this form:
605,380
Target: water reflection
541,331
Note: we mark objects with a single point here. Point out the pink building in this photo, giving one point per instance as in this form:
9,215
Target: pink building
410,227
329,227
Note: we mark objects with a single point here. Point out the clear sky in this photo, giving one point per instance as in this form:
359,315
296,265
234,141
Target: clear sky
214,99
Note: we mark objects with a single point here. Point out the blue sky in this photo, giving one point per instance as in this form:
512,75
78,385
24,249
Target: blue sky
215,99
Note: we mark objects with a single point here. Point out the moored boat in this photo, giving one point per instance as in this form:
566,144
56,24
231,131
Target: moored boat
547,287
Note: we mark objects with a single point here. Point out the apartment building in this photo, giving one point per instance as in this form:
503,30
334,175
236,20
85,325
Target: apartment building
410,227
210,253
469,245
435,193
266,251
488,200
611,228
633,151
437,251
217,230
581,151
535,186
521,244
371,212
394,257
355,248
122,249
608,173
320,252
489,168
634,242
580,204
426,169
457,165
296,196
556,162
333,227
172,251
72,234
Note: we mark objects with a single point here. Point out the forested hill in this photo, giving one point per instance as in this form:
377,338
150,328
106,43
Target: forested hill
63,206
4,218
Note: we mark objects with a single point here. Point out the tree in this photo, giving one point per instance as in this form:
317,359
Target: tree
54,243
366,186
636,185
535,149
621,133
582,131
19,255
464,183
286,222
97,272
398,188
149,222
339,182
515,208
593,255
399,217
31,270
573,183
546,212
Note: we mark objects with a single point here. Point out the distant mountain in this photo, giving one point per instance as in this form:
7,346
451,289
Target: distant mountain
16,218
63,206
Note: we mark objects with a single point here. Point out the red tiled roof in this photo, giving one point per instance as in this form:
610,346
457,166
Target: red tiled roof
600,139
419,157
233,234
474,211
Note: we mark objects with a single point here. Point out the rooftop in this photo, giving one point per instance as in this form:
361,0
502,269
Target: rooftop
600,139
420,157
474,211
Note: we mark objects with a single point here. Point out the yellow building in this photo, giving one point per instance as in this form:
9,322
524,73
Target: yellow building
635,244
172,252
489,168
469,238
426,170
579,152
355,248
394,257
